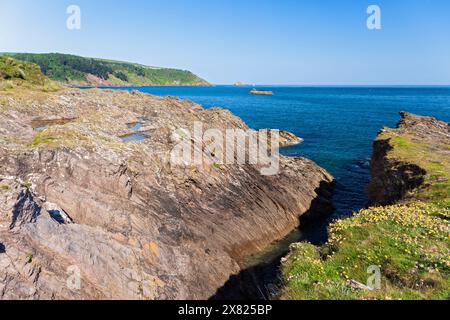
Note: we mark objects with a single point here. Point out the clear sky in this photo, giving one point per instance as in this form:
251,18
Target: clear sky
255,41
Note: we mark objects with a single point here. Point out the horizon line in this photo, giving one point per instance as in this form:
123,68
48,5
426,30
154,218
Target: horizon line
334,85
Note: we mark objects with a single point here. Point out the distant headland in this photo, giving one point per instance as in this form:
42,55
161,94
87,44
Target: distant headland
92,72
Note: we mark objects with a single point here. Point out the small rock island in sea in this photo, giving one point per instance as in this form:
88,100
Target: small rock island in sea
261,92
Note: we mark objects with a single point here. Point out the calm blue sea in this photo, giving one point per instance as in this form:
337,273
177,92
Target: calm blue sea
337,123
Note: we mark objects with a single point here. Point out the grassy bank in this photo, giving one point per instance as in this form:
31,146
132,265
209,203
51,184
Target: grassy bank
409,242
14,74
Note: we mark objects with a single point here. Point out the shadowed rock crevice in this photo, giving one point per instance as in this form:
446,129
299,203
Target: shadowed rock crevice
263,281
392,179
26,210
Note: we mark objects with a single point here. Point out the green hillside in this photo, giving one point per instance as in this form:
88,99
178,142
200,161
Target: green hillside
14,73
75,70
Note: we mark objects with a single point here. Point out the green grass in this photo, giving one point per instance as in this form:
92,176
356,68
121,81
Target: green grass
30,258
70,136
28,184
58,136
42,138
409,242
14,74
404,144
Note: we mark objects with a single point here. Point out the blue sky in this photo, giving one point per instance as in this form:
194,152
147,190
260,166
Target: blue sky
292,42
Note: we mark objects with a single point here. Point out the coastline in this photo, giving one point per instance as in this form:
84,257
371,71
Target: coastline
222,216
108,201
139,86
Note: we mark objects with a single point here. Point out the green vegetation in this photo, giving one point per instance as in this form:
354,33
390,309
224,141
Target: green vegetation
74,70
28,184
14,73
30,257
409,241
423,154
41,138
57,136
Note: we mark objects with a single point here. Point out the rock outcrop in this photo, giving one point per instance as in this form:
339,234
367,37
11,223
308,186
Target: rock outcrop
401,157
76,200
261,92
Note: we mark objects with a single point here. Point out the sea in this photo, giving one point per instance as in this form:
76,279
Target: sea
338,124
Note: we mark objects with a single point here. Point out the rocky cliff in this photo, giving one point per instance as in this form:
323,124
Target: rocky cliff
404,158
78,197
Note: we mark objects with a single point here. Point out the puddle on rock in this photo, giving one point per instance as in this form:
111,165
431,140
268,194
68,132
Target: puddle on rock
42,124
137,135
135,126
